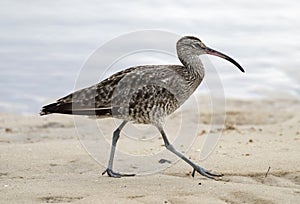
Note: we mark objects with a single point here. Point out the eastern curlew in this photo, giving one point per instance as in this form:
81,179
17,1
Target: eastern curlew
143,94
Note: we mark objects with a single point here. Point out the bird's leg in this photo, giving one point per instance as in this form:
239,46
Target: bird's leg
197,168
109,170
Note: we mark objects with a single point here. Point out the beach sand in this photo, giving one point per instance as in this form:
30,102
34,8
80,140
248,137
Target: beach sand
43,161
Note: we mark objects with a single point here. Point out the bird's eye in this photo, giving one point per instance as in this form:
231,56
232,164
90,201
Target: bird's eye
196,46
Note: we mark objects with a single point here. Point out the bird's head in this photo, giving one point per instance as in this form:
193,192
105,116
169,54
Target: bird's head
197,47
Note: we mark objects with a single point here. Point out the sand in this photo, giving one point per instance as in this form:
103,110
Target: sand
42,160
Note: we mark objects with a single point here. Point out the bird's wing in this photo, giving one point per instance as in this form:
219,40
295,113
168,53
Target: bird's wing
100,98
88,101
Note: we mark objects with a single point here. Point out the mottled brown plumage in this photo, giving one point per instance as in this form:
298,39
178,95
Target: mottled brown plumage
155,91
143,94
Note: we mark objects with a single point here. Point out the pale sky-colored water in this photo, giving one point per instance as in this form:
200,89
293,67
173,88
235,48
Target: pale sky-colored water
43,44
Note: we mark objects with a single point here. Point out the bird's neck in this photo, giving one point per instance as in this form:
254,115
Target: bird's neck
191,62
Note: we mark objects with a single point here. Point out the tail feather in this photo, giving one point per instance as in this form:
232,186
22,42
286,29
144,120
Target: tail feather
56,108
74,109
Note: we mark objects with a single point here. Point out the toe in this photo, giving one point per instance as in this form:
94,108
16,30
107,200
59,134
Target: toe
113,174
206,173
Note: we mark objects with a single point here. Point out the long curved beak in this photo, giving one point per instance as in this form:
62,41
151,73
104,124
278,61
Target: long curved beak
219,54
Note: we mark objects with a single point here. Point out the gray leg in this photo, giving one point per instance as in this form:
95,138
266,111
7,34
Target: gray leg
197,168
116,136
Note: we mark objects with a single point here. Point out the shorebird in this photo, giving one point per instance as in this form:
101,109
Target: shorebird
144,95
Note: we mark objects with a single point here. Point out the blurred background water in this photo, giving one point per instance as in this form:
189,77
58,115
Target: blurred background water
44,44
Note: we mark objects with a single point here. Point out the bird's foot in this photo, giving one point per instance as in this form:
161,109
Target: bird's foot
113,174
206,173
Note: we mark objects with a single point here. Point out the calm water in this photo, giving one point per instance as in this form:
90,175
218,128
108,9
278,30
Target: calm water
43,44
